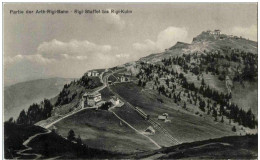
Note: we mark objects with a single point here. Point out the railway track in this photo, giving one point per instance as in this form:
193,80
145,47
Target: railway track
155,124
158,127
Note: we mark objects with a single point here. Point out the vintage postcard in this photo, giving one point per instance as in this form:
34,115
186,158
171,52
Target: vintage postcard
130,80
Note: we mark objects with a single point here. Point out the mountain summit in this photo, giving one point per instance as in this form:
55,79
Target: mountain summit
206,41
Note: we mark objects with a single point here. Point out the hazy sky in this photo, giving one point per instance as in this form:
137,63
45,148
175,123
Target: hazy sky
67,45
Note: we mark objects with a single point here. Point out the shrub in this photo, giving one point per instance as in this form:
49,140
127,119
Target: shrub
234,129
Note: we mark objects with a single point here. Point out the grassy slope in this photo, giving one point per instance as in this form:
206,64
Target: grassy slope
133,118
184,126
223,148
52,145
106,94
246,97
101,129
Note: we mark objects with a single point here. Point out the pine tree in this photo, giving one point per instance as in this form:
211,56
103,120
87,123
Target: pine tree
214,114
222,120
184,105
22,119
202,105
202,82
144,84
78,140
11,120
221,109
47,108
234,129
71,135
139,82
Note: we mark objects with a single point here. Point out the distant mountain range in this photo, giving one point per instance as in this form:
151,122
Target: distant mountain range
21,95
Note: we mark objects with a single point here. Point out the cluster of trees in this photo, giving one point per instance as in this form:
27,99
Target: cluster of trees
141,83
181,61
64,96
227,109
217,62
246,59
206,91
200,63
35,113
71,137
152,72
89,82
106,105
245,118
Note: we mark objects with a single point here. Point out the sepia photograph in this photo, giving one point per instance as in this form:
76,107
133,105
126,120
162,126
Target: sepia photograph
92,80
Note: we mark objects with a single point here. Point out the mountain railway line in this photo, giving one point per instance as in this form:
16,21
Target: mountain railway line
155,124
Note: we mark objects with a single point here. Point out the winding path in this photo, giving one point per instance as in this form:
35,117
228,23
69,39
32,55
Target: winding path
27,148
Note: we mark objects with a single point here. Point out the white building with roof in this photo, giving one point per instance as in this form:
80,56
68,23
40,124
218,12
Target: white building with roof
115,101
150,130
163,117
215,32
93,74
91,99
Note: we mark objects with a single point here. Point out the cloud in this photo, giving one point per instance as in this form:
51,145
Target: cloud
112,20
37,58
146,46
246,32
53,51
122,55
165,39
62,59
72,49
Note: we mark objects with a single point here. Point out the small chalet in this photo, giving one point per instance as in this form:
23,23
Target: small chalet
150,130
163,117
115,101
